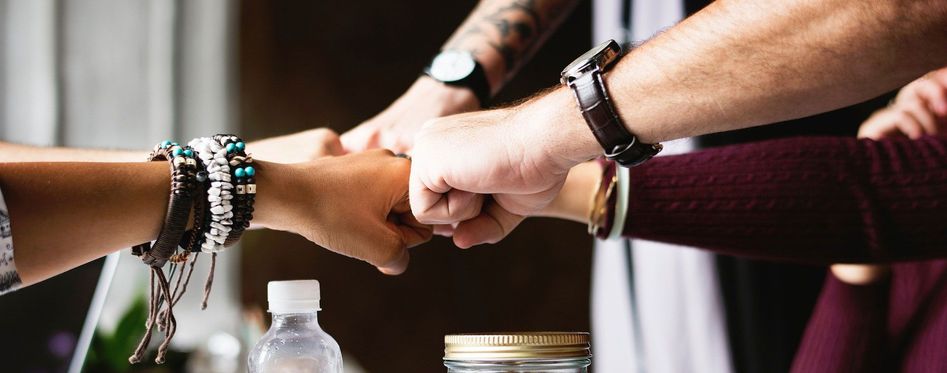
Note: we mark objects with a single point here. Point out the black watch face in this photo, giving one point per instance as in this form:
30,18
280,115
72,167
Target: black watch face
452,66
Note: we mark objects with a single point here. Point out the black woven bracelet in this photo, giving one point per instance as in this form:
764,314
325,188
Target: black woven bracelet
183,190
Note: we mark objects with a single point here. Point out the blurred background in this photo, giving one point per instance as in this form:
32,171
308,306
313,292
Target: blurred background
126,74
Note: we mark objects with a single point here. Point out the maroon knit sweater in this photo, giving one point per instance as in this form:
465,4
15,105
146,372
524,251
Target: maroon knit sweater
813,199
898,325
822,200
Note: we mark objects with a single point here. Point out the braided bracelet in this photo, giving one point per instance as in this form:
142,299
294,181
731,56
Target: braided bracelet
183,190
184,187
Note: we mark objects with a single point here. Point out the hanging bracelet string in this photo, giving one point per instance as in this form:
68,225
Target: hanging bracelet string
231,194
213,178
183,191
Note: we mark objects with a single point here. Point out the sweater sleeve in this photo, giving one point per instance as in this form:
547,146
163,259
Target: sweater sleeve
847,330
812,199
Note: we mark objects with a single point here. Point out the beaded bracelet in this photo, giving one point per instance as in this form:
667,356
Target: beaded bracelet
219,168
219,195
244,185
231,210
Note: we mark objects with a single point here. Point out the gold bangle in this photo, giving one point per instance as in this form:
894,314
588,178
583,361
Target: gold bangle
599,204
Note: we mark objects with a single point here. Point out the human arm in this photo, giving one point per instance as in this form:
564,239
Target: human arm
733,65
920,108
809,199
502,35
296,147
66,214
11,152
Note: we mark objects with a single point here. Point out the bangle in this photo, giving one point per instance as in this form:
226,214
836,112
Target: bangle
183,188
598,211
621,203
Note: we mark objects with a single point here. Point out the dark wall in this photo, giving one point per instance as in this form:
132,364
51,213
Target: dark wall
39,325
307,64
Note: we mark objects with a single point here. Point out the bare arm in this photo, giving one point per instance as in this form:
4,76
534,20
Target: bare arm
501,35
65,214
736,64
10,152
293,148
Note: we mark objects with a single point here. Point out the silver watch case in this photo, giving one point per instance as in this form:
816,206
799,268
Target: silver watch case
596,59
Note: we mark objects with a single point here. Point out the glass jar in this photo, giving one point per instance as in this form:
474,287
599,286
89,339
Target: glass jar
517,352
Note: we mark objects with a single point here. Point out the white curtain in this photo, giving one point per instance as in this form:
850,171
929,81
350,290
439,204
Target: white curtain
124,74
657,308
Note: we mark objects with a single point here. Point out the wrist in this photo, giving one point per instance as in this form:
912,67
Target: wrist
274,186
555,121
576,197
449,99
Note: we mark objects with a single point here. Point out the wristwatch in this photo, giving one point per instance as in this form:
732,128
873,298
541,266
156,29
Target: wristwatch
460,69
585,76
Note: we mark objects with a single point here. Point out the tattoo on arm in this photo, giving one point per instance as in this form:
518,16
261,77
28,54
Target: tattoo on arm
512,29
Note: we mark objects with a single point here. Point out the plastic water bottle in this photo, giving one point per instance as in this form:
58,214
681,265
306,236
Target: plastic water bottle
295,341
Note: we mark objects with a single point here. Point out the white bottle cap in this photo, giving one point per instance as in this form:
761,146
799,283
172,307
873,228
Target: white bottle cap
298,296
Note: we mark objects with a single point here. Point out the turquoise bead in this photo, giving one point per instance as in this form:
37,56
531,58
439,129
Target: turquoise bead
241,145
250,171
230,148
177,152
239,172
174,144
188,153
165,143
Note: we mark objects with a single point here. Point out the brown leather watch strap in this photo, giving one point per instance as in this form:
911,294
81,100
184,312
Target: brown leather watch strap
619,144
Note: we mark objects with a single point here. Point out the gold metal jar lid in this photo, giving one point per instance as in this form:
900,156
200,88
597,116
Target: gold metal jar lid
517,346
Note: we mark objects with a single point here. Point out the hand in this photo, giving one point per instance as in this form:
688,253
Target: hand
395,127
489,169
355,205
298,147
919,109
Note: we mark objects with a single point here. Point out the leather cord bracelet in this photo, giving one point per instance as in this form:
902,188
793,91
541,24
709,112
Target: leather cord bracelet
214,178
183,190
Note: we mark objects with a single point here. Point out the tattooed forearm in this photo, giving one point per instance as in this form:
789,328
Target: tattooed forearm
503,34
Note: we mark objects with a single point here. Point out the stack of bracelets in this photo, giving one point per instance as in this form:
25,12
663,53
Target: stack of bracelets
212,180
